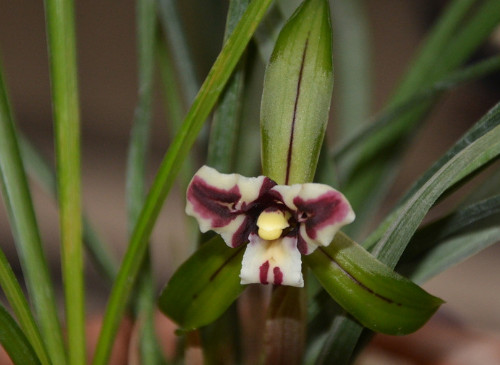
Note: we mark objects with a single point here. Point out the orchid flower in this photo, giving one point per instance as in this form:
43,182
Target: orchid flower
279,222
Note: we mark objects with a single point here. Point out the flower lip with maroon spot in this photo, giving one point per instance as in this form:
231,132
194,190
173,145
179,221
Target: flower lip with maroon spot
277,222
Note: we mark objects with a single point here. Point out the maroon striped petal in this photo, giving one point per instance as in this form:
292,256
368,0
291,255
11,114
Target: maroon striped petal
319,210
223,203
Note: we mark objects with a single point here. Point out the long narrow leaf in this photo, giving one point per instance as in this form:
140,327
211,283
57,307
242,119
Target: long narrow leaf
490,121
351,44
172,27
20,306
169,168
38,169
452,239
22,218
385,148
478,153
453,251
62,51
136,174
14,341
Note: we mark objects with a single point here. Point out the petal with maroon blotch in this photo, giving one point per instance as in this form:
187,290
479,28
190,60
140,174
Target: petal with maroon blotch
219,202
320,211
272,262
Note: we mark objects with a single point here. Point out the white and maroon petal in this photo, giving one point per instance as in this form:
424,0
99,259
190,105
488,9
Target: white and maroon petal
272,262
320,211
219,203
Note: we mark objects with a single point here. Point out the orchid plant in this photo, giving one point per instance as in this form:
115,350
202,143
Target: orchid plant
284,245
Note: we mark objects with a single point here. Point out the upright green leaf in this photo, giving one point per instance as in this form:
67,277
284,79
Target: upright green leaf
297,94
62,52
38,169
137,162
22,219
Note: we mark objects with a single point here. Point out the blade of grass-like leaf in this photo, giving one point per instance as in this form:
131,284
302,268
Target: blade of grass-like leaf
136,171
169,168
14,341
22,218
225,123
20,306
356,190
172,26
387,146
38,168
431,49
451,239
352,56
460,221
62,51
339,344
481,151
490,121
391,113
224,133
453,251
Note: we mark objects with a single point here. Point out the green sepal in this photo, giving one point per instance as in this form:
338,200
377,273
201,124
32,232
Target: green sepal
296,97
204,286
378,297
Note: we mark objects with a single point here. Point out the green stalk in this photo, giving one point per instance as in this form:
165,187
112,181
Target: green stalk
168,170
22,218
62,50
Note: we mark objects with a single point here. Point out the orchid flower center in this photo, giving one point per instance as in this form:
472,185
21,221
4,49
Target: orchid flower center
271,224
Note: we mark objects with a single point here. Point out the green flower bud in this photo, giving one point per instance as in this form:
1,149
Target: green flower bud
297,92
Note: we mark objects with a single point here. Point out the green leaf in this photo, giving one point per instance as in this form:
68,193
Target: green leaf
352,48
297,93
453,251
38,169
204,286
63,75
477,154
379,298
477,148
14,341
21,309
24,226
455,37
452,239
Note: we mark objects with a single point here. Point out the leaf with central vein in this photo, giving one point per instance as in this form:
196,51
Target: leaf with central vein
204,286
374,294
296,97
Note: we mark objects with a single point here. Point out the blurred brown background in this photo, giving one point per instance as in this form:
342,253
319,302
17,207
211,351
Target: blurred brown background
108,84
